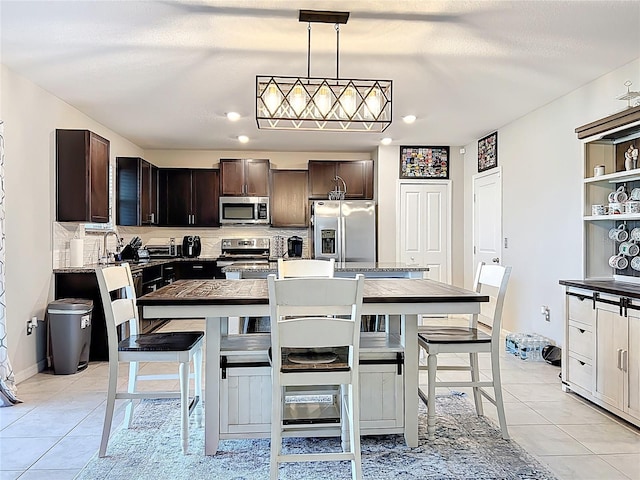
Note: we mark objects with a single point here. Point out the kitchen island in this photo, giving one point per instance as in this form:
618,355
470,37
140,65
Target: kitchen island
255,270
342,269
237,383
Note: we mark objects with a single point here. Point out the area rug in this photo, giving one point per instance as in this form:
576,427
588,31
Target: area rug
465,447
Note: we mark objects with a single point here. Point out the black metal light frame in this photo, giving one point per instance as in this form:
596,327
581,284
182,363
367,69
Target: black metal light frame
316,103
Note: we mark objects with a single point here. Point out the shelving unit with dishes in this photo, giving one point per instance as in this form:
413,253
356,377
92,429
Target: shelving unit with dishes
607,148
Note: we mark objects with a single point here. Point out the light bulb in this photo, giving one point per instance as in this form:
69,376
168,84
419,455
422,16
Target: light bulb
386,141
348,102
243,138
323,100
272,98
298,99
373,104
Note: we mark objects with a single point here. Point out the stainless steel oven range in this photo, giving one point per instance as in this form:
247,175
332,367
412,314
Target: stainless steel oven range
244,250
248,251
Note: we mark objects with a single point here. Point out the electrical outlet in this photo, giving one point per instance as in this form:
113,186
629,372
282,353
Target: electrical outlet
546,312
31,324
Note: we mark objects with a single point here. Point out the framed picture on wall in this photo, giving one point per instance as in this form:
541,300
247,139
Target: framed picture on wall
488,152
424,162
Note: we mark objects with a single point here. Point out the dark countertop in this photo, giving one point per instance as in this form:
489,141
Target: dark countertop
272,267
606,286
250,292
135,267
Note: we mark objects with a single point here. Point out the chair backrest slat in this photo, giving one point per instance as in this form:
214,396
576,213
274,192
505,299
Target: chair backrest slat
119,302
305,268
492,280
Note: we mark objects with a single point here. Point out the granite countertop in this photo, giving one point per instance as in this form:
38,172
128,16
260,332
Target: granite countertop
606,286
272,267
135,266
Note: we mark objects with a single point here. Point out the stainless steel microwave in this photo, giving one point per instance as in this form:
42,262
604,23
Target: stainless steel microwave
244,210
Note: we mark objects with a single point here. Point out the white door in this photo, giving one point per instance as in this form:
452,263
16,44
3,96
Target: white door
425,227
487,217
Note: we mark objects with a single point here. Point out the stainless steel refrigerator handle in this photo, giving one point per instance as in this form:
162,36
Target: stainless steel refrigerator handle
343,239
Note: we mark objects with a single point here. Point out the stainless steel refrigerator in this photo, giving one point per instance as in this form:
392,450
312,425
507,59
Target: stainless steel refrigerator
344,230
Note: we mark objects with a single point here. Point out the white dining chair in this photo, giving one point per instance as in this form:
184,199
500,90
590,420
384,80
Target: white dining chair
306,268
119,302
302,319
299,268
490,280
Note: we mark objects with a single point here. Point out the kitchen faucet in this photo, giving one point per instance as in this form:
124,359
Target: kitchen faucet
104,245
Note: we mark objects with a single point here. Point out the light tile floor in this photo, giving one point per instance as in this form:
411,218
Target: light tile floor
57,429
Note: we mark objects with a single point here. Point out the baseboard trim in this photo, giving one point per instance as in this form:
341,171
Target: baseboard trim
27,373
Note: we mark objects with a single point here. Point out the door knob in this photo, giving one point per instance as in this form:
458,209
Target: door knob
495,260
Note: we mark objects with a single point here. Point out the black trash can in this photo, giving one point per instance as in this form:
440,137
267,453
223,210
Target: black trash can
70,331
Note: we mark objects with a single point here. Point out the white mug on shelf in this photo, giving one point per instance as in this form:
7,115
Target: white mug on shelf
630,249
618,196
619,234
598,170
632,206
619,262
599,209
635,234
616,208
635,263
635,194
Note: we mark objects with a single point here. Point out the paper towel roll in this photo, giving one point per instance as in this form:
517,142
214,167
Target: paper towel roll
77,252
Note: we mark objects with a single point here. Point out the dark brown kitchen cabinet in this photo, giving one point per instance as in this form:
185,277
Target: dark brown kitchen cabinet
244,177
289,198
195,269
357,175
82,177
136,192
188,197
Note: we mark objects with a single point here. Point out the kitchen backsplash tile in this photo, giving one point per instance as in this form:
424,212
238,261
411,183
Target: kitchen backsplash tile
210,238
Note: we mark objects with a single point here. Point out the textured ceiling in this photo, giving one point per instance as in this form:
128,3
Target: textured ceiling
163,73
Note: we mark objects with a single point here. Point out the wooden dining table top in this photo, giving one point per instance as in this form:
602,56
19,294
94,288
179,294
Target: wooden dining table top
255,292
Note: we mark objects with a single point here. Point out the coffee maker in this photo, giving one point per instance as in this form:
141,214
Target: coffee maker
191,246
294,247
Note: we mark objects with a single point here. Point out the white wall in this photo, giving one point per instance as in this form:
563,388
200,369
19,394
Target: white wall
388,165
542,166
31,116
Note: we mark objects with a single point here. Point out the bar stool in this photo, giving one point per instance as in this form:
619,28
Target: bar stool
304,317
490,280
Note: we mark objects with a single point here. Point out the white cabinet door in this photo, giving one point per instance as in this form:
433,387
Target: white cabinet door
610,338
381,397
245,401
632,365
425,227
487,217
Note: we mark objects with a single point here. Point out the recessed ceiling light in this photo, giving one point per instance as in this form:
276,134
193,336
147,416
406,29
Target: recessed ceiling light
409,118
233,116
243,138
386,141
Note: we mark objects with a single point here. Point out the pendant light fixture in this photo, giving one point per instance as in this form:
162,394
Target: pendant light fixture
331,104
